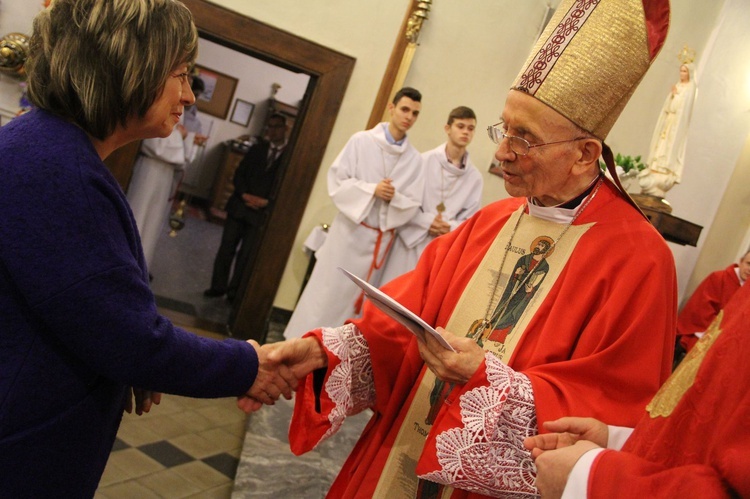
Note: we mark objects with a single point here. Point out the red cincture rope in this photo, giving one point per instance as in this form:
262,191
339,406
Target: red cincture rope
375,265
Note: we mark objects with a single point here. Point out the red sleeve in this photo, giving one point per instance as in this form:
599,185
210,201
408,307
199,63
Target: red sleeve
706,301
311,407
326,397
701,448
431,291
702,307
621,474
476,441
602,343
392,349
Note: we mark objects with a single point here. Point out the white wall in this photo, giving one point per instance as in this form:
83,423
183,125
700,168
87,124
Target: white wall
728,237
255,78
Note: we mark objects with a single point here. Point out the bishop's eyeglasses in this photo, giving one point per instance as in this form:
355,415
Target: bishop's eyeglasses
518,145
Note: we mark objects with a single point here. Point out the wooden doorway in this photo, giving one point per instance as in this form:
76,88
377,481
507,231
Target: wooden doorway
329,76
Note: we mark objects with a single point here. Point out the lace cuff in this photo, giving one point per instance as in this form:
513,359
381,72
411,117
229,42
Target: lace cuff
350,385
486,455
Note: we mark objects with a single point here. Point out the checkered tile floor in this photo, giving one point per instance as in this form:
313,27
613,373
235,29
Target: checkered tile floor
170,456
183,448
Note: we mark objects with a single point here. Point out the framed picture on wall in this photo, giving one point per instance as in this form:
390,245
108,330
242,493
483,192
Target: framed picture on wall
242,112
218,93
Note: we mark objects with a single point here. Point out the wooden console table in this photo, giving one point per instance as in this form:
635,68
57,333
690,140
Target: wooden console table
674,229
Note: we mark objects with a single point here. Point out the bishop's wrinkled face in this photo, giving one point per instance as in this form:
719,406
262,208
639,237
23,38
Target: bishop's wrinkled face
545,173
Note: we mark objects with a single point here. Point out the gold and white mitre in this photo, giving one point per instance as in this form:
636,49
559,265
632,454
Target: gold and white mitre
591,57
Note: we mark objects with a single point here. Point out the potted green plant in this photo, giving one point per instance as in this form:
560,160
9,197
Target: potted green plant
627,168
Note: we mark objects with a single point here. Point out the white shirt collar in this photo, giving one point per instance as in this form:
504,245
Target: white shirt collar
555,213
552,213
390,138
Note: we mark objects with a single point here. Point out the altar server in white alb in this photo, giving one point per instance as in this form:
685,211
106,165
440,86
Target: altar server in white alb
376,183
452,194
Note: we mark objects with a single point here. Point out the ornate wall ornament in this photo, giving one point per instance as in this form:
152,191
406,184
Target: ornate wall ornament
401,58
14,49
417,18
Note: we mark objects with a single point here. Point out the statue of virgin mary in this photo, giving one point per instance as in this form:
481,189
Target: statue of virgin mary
666,156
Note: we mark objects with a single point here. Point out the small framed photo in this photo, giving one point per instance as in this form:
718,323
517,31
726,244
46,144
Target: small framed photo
242,112
218,93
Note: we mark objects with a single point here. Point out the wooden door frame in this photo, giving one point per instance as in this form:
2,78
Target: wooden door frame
329,72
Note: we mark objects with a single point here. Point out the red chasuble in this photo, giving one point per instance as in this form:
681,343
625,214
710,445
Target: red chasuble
599,344
701,449
709,297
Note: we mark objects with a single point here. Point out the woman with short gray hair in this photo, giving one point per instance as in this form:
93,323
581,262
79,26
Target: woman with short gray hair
79,323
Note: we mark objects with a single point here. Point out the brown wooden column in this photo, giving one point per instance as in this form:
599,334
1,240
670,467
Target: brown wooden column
398,64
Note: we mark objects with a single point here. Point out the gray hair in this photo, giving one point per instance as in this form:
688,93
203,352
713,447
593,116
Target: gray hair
99,63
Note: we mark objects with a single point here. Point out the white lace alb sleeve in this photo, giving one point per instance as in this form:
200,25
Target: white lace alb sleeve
486,455
350,386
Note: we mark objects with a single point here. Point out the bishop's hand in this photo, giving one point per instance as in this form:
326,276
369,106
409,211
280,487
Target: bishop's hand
273,380
453,367
301,355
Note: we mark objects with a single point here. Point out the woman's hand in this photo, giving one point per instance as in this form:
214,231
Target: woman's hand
144,400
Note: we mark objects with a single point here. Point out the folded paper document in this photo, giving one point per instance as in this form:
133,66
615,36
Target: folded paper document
396,311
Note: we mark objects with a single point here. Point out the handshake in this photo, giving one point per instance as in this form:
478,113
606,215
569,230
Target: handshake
280,368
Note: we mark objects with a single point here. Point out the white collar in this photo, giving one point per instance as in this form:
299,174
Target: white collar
556,213
552,213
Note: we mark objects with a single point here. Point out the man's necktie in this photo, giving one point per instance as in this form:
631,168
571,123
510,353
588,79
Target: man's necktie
272,152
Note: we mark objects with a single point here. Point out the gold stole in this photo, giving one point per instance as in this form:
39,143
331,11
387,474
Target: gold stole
671,392
399,479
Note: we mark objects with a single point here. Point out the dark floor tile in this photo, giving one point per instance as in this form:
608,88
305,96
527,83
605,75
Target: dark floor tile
166,454
119,445
223,463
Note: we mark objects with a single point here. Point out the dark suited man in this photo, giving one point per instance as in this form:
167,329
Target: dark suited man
247,208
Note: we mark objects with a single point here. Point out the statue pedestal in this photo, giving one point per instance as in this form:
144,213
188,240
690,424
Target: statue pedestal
673,229
652,202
